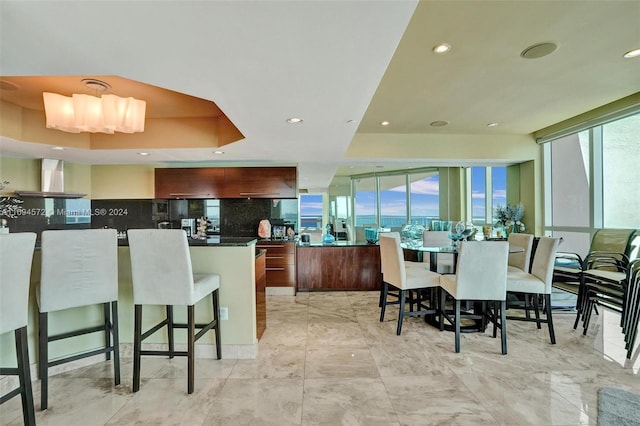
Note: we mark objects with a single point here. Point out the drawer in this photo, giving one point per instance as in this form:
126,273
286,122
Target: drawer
280,259
281,276
273,248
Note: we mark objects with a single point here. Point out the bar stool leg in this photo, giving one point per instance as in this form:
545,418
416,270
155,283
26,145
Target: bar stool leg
170,339
191,339
43,359
107,327
216,316
116,342
24,376
137,345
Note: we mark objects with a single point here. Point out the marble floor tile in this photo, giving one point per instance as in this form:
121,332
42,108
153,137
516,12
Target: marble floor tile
257,402
326,359
346,402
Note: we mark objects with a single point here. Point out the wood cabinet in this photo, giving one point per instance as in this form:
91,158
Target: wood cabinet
204,182
260,182
261,299
280,263
226,182
355,267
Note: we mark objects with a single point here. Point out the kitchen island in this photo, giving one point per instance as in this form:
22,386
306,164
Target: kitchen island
339,266
233,259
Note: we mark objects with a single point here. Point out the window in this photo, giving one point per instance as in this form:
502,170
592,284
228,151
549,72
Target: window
424,197
310,211
483,181
591,182
393,200
366,201
620,177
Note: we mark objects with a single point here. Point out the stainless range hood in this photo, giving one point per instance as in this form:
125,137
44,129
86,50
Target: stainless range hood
52,182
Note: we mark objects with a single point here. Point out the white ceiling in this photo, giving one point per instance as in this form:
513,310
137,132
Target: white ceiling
342,66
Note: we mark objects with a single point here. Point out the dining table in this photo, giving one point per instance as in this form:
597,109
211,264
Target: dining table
471,325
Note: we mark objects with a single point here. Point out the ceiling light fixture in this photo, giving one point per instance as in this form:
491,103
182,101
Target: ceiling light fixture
538,50
57,148
438,123
294,120
384,123
492,124
218,152
86,113
442,48
144,154
632,54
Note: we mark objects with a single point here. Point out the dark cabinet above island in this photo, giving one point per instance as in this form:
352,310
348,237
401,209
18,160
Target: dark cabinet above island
226,182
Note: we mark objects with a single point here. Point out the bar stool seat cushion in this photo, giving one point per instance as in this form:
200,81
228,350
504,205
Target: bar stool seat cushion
520,281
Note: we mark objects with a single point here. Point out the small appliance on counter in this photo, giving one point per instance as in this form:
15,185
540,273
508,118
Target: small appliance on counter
305,238
189,226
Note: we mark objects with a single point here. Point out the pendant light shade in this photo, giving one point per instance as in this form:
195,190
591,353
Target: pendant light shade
86,113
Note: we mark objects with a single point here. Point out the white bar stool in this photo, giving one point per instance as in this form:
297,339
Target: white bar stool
16,255
79,268
162,275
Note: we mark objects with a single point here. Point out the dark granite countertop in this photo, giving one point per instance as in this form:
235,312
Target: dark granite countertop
213,241
336,244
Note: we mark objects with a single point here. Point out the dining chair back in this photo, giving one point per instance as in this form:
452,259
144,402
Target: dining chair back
405,279
440,239
16,256
522,259
537,283
481,275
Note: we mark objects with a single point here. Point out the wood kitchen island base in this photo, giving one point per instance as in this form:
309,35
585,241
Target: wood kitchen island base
341,266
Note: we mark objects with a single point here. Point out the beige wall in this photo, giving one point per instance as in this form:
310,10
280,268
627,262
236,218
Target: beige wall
122,181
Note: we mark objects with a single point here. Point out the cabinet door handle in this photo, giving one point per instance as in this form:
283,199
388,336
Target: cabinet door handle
275,269
259,193
275,257
183,194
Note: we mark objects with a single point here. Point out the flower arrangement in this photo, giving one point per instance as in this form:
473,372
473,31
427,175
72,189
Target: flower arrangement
510,217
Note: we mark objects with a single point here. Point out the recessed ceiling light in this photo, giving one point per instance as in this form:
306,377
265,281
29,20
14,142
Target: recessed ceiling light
439,123
442,48
294,120
384,123
538,50
632,53
492,124
218,152
144,154
57,148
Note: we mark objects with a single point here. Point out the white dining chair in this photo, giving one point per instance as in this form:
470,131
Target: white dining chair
405,279
16,255
481,275
445,261
520,260
537,283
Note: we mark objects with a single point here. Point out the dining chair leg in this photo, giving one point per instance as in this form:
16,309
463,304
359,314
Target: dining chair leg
456,320
443,299
494,317
536,309
401,302
503,326
547,308
383,300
